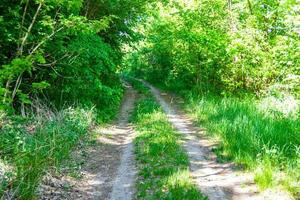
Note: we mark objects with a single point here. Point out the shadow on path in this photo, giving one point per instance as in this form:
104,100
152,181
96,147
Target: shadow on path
109,171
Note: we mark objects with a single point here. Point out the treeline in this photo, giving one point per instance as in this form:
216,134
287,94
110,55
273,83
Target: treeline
64,51
226,47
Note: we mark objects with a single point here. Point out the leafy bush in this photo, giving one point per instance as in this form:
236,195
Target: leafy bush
91,80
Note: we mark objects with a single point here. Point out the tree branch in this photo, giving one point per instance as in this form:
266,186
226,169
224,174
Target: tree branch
22,23
45,39
250,7
20,52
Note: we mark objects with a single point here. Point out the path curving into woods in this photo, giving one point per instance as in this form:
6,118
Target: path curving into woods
110,172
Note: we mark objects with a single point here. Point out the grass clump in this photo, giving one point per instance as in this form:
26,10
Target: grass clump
266,141
163,164
34,145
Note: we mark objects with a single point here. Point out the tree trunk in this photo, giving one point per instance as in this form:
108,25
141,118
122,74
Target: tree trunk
20,51
250,7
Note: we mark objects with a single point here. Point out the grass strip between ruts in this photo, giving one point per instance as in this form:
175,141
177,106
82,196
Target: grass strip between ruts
162,162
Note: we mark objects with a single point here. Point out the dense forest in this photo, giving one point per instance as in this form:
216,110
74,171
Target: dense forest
63,51
234,64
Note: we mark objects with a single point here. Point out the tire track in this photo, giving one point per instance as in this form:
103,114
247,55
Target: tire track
115,181
123,186
109,169
215,180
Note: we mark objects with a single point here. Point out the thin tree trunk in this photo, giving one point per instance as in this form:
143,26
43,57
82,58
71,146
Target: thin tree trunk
44,40
6,90
21,34
22,23
87,8
229,4
20,52
17,85
23,113
250,7
233,26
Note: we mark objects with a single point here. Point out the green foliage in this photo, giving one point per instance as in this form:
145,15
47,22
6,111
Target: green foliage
229,48
91,79
65,51
124,14
40,86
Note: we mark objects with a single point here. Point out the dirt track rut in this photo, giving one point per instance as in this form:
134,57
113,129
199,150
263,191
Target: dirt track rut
217,181
109,171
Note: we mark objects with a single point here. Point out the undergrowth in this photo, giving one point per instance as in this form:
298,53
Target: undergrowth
264,141
31,146
162,163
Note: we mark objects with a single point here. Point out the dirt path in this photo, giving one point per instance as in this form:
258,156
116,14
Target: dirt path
109,170
123,186
215,180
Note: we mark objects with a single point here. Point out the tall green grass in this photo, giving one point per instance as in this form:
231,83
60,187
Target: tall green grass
32,146
162,163
264,141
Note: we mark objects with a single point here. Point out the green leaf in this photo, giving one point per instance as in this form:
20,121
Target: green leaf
24,98
40,86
